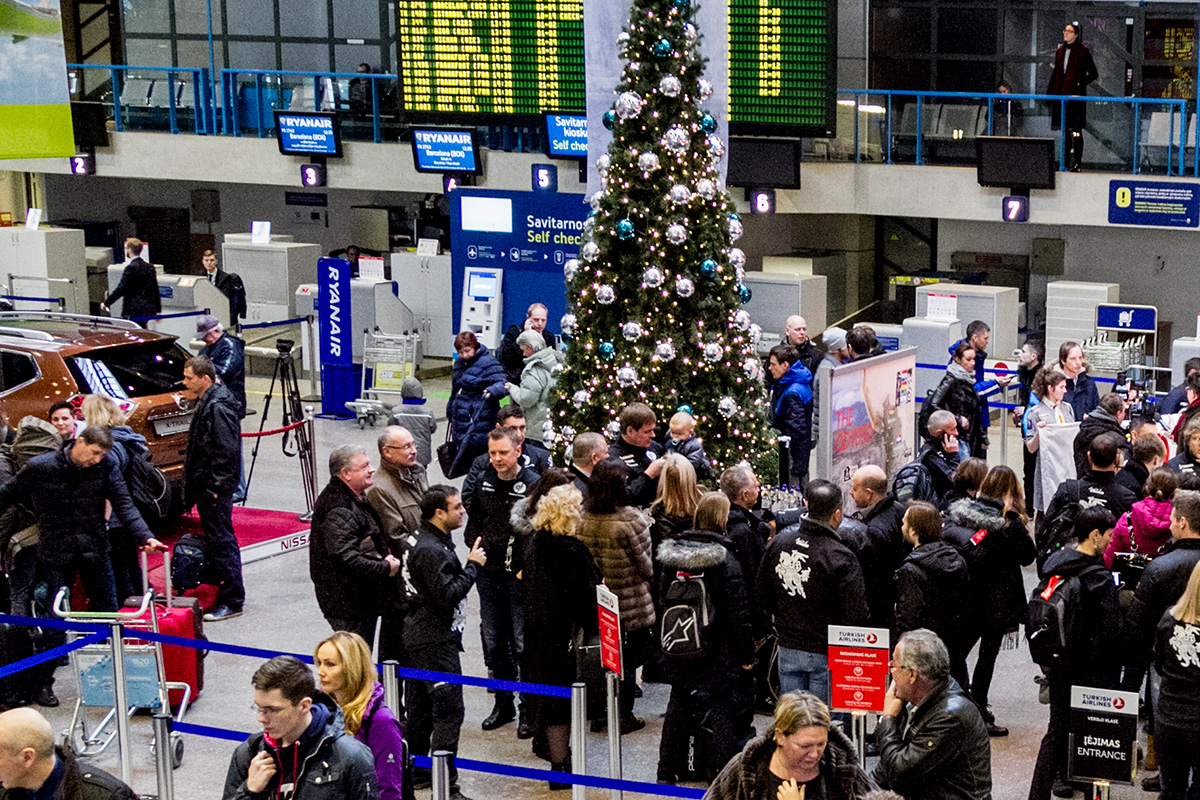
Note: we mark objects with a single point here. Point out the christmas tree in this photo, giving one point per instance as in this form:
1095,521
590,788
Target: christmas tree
654,300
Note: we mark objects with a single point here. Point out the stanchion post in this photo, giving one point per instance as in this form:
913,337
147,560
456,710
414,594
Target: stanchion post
441,775
310,494
1003,426
164,754
785,465
314,372
121,700
578,738
858,732
1100,790
614,731
391,686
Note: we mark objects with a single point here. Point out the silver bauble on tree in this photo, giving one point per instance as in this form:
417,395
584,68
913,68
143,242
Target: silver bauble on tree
653,277
713,351
670,86
727,406
605,295
648,162
629,105
567,324
665,351
626,377
590,251
676,139
581,398
684,287
706,188
679,194
632,331
676,233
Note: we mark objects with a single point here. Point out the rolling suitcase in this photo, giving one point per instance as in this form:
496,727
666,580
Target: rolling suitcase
182,617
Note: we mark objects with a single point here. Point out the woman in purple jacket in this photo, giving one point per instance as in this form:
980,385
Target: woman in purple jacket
347,674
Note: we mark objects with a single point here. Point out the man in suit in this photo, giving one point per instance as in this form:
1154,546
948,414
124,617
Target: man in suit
138,285
229,283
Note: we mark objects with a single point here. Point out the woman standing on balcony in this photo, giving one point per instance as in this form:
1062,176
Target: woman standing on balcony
1074,69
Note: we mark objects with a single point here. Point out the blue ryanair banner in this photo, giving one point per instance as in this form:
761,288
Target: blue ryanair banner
337,348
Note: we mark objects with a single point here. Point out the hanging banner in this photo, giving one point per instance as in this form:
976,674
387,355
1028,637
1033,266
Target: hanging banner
35,103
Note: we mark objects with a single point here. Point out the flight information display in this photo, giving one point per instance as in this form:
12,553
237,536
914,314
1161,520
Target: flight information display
524,58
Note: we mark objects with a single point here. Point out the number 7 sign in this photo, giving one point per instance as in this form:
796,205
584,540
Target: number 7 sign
1015,209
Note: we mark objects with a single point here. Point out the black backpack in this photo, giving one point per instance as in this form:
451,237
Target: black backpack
187,562
1059,531
148,487
913,482
688,614
1053,614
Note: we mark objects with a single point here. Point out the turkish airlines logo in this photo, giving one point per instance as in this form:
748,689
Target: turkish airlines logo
872,638
1118,703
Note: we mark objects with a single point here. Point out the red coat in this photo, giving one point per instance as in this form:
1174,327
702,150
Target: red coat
1074,79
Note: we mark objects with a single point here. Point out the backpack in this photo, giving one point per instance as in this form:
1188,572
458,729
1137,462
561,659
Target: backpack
1059,531
1053,612
187,562
688,614
913,482
148,487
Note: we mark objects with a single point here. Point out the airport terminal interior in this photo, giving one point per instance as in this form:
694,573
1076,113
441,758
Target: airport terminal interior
383,175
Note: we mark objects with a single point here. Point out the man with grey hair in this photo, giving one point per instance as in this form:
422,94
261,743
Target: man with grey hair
587,450
509,354
930,476
933,743
32,767
348,560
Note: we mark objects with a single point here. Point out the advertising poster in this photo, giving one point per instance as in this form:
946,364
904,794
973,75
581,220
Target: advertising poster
870,406
35,104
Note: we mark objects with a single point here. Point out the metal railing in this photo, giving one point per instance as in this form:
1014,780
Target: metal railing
148,98
940,128
249,96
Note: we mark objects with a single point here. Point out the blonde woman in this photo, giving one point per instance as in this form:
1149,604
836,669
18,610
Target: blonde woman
104,411
1177,712
560,580
347,675
676,500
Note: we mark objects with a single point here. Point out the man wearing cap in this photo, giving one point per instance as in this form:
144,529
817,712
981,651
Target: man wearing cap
228,355
836,354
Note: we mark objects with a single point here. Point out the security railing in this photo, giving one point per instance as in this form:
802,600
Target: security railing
149,98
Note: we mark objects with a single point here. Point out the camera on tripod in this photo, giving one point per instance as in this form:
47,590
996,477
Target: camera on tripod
284,346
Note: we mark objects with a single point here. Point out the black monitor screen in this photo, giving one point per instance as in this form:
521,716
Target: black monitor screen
90,122
1011,162
308,133
764,163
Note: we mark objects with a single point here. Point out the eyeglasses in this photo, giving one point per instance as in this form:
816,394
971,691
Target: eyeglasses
892,665
267,711
409,446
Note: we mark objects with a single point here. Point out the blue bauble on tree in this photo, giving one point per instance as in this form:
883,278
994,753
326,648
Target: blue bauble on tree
745,293
625,230
607,350
662,48
708,268
708,123
685,408
609,118
682,5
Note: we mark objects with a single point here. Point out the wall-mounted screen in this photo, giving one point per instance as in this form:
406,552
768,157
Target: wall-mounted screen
446,150
1011,162
308,133
566,136
764,163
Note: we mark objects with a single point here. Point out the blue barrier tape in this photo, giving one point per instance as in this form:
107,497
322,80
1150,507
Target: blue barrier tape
27,299
52,654
212,733
274,324
60,624
988,369
169,316
202,644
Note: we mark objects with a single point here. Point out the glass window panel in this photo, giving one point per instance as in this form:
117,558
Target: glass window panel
1016,37
304,18
148,16
966,76
306,58
356,19
900,30
252,55
194,53
148,52
191,16
251,17
970,31
347,57
896,73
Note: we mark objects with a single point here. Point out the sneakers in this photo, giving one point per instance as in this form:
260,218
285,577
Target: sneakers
1062,788
503,712
222,613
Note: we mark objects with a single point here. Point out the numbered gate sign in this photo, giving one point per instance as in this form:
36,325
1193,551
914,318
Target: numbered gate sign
858,667
609,611
1103,735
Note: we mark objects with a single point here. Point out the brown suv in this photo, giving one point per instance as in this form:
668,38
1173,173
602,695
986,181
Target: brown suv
47,357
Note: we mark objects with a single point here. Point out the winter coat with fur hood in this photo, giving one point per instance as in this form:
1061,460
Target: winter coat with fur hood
994,560
620,543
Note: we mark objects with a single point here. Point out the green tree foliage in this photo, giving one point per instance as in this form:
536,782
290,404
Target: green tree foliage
655,298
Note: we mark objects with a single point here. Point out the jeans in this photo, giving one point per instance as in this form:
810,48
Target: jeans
222,555
435,710
501,623
97,576
363,627
985,668
807,671
1178,752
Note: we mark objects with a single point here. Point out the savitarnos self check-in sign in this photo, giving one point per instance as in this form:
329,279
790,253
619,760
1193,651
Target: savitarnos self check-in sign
858,667
1103,735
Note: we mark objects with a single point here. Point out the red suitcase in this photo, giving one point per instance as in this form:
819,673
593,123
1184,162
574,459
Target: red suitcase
182,617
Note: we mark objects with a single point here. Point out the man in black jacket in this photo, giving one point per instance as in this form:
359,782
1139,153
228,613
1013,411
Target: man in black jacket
933,476
808,581
1093,654
533,455
138,285
228,283
588,450
488,499
933,744
348,560
1147,453
434,624
303,751
32,767
637,450
795,333
509,354
211,471
1104,418
1098,488
885,546
228,354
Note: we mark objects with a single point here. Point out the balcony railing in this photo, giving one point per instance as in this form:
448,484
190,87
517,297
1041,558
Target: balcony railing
149,98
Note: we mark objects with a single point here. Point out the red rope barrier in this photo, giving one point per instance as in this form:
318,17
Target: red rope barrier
293,426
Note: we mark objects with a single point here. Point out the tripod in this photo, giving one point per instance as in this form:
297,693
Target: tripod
293,412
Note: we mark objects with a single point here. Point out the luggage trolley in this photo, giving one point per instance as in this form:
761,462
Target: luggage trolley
387,360
146,683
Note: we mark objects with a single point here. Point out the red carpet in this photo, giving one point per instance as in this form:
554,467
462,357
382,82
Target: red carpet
253,526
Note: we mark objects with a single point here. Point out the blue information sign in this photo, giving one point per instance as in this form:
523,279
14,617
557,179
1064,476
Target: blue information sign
530,235
445,150
1165,204
1135,319
567,136
337,349
308,133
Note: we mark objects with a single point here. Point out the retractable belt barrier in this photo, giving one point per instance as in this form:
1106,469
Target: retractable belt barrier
153,317
98,633
25,298
293,321
275,431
